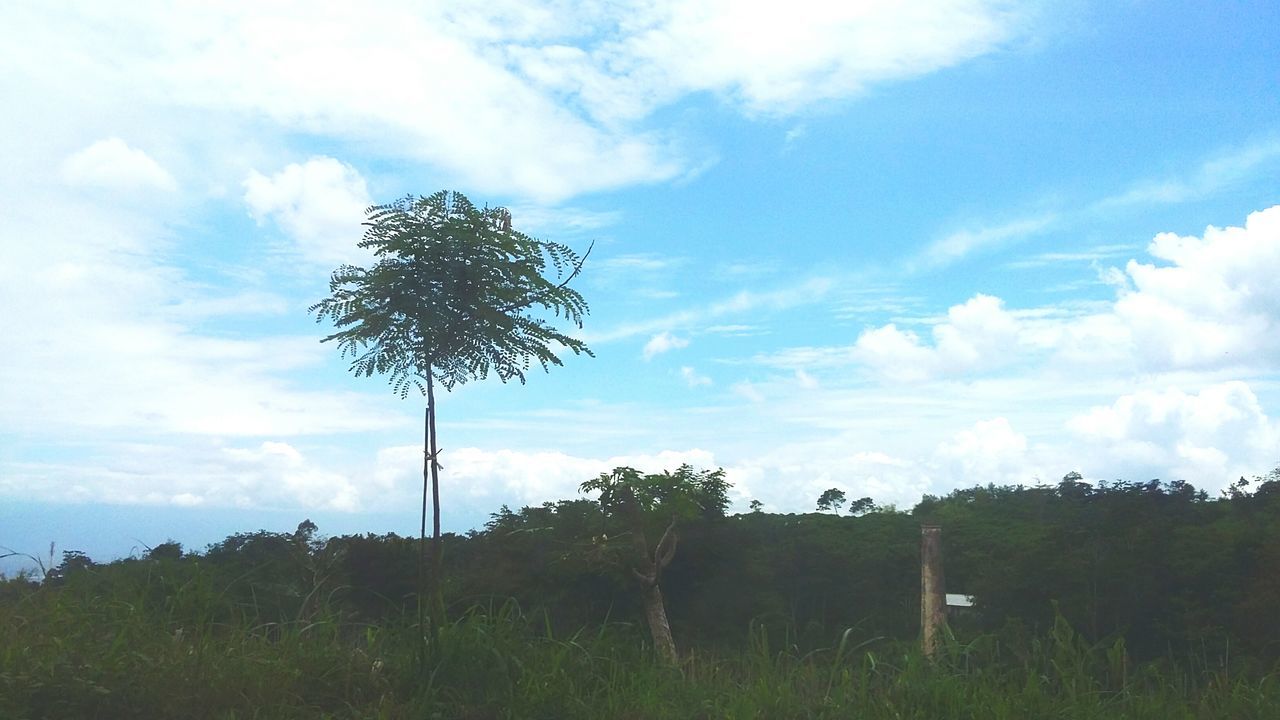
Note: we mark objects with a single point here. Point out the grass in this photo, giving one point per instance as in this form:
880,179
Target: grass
182,645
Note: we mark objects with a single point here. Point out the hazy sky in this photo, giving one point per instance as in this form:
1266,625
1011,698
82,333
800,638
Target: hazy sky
891,247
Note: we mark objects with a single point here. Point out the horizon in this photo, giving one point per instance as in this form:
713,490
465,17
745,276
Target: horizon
894,249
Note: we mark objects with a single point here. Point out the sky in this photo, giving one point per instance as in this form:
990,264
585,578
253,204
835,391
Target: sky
895,248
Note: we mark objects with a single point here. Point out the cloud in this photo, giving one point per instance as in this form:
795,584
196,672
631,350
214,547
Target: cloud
1210,437
1200,303
319,204
962,243
558,220
542,99
977,336
749,391
788,478
693,378
734,330
112,165
1214,303
1089,255
806,292
1214,175
793,136
204,473
661,343
370,77
776,59
791,478
476,481
643,275
991,451
117,341
637,262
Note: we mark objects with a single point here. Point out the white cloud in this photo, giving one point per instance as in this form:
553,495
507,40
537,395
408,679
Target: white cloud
977,336
1201,303
189,474
1209,438
776,59
1214,175
558,221
661,343
791,478
805,380
541,99
749,391
319,204
628,265
989,452
476,481
1089,255
112,165
805,292
963,243
114,340
1215,303
792,136
693,378
896,354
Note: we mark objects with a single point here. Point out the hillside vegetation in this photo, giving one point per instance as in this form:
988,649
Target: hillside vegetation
1123,600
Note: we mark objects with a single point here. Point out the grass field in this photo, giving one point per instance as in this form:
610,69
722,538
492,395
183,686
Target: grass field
154,646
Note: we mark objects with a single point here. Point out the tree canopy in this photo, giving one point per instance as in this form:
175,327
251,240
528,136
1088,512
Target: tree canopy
452,296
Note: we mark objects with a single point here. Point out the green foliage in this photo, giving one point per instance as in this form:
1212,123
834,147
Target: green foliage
685,493
1159,563
451,296
169,550
862,506
831,499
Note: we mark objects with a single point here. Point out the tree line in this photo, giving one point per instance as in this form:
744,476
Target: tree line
1161,564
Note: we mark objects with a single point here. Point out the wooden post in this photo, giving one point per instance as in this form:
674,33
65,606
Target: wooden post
933,598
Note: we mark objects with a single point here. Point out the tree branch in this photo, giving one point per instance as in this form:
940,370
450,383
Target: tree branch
666,547
577,268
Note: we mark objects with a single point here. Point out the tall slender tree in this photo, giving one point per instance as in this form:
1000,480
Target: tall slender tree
454,295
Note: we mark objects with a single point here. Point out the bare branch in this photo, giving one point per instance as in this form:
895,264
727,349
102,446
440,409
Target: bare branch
666,547
647,580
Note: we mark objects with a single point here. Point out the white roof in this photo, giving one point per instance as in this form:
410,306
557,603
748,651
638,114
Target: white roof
958,600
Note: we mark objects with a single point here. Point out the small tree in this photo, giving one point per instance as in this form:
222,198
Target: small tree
861,506
637,499
830,500
451,298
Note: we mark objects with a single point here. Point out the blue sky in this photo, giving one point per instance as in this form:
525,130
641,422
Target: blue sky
895,248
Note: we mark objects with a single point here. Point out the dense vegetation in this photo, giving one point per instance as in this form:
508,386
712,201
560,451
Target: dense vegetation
1120,600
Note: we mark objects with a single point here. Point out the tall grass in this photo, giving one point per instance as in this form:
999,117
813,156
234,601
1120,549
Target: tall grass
182,645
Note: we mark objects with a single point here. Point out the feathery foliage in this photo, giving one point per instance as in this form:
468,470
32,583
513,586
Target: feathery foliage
451,296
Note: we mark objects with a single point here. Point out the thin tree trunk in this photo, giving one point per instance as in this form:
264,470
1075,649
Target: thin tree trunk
437,548
422,530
